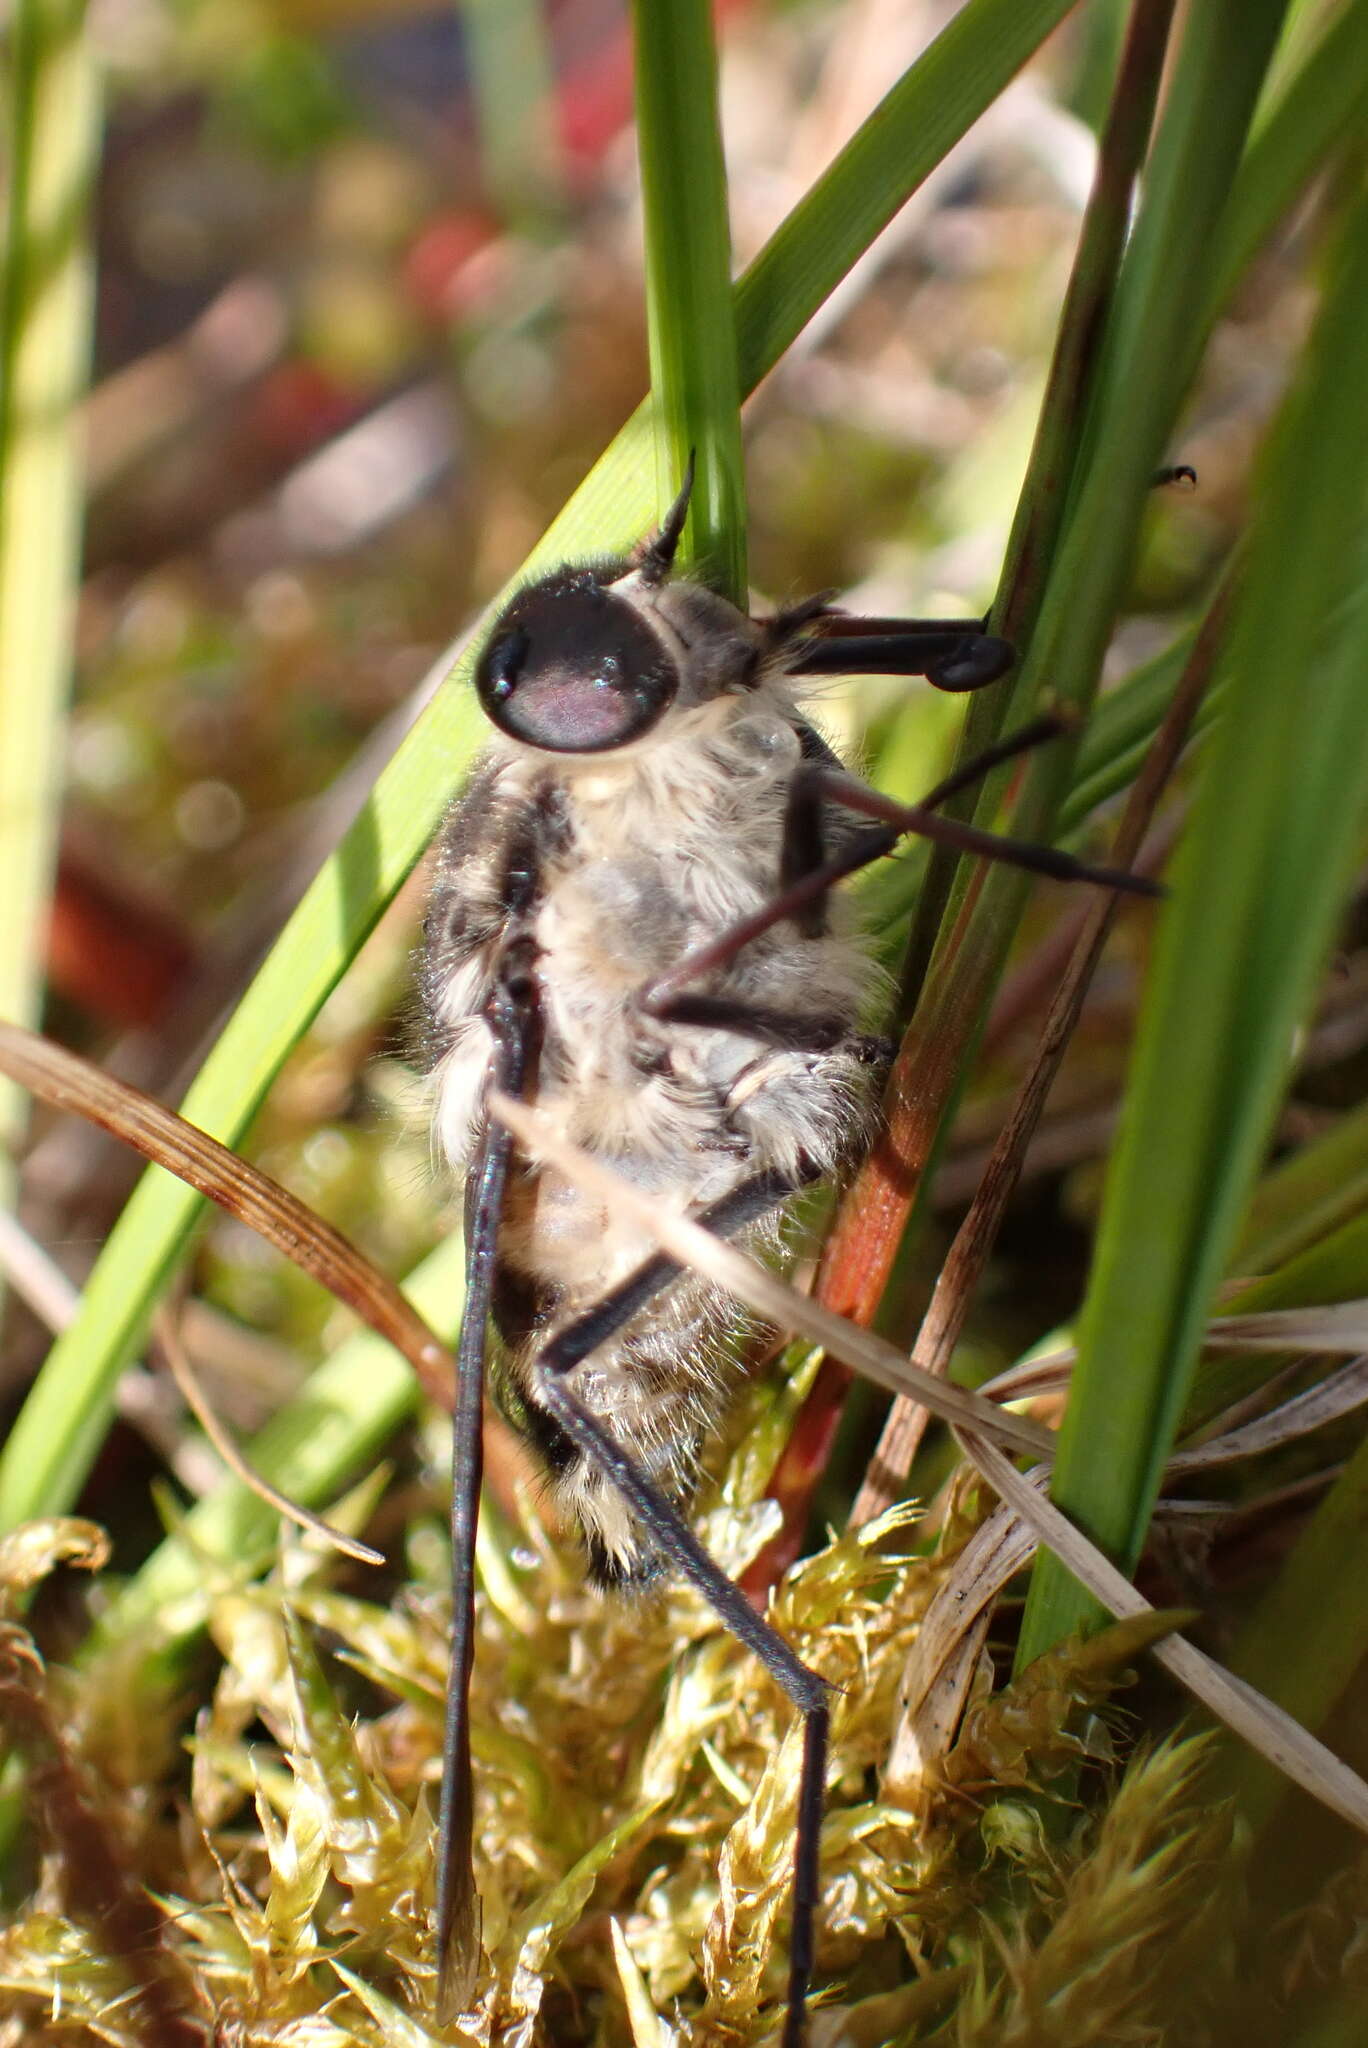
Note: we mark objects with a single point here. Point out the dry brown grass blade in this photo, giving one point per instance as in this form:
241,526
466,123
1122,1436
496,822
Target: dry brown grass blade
1338,1326
166,1327
1262,1724
1338,1395
935,1682
976,1236
60,1078
1030,1379
1266,1430
760,1290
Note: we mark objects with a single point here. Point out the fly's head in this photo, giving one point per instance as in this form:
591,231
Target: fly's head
593,658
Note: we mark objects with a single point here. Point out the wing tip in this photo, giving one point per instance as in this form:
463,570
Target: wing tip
458,1959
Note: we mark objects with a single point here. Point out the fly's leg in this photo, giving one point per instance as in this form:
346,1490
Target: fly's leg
677,1544
553,1390
806,875
953,654
814,1032
820,784
511,1014
724,1217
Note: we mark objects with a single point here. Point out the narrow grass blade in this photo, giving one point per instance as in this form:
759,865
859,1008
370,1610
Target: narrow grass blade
689,302
963,1267
1321,1186
1275,823
1319,108
513,89
1058,435
44,354
933,104
1306,1639
1148,359
1312,113
64,1420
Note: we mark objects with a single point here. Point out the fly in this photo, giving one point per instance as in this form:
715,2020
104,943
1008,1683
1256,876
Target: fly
632,926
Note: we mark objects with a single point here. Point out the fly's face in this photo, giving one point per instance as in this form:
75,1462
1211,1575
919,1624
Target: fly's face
594,658
588,661
573,668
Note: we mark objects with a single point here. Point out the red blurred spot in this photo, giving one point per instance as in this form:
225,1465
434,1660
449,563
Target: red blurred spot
298,405
114,952
446,270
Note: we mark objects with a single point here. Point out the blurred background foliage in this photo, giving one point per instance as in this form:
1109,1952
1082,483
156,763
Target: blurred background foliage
368,305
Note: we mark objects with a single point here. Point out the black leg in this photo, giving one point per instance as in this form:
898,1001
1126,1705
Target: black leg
681,1549
512,1018
953,654
928,824
805,875
1013,744
813,1033
676,1542
815,784
724,1217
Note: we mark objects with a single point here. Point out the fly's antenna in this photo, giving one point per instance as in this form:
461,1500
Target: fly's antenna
656,557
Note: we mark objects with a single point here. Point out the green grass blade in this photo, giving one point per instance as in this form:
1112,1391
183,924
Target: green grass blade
1320,107
1120,730
689,301
1321,1186
1058,435
44,355
65,1418
512,85
1274,826
1148,358
1306,1639
1314,112
1150,354
916,124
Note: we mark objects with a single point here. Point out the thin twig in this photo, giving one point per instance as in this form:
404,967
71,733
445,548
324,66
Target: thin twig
166,1328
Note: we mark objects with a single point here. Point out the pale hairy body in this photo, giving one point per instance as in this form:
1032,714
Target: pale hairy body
627,860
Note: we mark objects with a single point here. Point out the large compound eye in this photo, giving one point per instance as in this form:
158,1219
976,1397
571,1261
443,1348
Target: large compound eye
572,668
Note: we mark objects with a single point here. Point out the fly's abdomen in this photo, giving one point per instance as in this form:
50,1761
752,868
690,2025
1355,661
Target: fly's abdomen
656,1384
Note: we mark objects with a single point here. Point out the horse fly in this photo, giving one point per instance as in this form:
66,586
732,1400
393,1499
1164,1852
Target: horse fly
631,926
